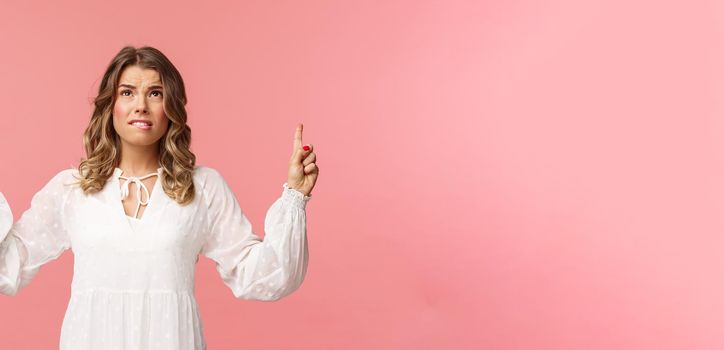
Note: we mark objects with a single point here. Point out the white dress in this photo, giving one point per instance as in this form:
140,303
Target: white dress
133,280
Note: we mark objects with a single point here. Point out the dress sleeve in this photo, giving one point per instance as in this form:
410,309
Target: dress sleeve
37,237
252,268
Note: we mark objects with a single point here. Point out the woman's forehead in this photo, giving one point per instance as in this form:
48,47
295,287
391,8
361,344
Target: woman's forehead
135,74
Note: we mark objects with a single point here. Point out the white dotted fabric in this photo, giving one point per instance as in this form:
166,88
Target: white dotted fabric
133,280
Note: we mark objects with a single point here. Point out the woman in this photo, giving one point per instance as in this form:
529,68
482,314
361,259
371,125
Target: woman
135,251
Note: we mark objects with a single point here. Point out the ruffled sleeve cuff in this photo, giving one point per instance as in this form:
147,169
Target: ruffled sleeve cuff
6,217
294,197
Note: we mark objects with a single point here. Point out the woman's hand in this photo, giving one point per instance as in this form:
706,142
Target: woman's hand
303,171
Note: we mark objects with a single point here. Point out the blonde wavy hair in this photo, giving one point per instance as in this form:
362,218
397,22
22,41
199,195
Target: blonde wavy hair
102,143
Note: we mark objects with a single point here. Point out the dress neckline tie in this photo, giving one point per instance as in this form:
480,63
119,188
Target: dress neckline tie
125,189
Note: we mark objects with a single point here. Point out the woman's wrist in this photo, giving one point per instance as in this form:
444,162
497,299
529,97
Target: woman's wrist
298,190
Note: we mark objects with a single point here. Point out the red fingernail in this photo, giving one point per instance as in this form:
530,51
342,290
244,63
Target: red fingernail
306,148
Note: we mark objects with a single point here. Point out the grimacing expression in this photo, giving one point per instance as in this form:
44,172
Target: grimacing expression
139,96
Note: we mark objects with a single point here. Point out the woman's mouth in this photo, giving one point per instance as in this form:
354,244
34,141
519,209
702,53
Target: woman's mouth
142,125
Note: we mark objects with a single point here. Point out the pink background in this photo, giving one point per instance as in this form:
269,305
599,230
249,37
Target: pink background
494,174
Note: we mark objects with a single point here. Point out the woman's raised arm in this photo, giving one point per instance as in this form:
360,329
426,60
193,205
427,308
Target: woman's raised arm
38,236
256,269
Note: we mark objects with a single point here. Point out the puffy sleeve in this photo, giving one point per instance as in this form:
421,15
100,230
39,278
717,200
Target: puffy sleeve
37,237
252,268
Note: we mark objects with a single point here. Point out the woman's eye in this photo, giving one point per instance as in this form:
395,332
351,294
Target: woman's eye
159,93
124,91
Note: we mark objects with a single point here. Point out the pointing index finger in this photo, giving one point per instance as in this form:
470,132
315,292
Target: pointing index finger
298,136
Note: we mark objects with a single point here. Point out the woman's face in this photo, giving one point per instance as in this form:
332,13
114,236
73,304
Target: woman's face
139,96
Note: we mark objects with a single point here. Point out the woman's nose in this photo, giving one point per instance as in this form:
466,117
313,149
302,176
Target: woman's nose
141,105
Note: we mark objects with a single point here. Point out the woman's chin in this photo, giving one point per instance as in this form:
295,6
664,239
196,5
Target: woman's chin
140,141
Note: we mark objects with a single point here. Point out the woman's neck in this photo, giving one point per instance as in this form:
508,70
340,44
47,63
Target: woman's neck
139,160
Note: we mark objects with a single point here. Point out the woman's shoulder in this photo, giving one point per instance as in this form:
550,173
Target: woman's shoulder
61,180
66,176
210,181
205,171
206,174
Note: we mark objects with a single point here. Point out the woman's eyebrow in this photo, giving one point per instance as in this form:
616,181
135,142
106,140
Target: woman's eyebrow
134,88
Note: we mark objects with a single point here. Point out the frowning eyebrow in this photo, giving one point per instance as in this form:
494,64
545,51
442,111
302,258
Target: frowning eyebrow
134,88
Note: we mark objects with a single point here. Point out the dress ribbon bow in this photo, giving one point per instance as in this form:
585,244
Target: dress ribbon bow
125,189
